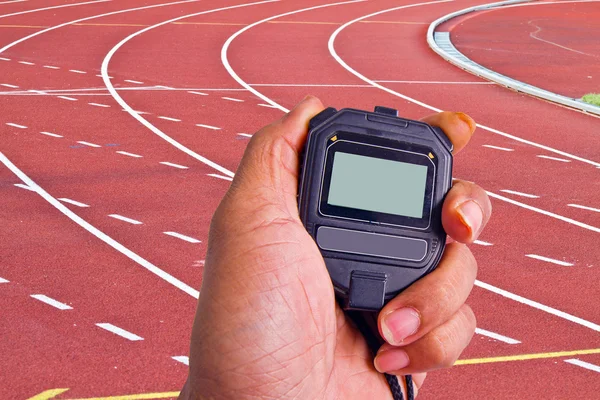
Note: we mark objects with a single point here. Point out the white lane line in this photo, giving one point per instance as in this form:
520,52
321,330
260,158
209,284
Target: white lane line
232,99
529,196
99,105
182,359
51,302
12,1
164,87
489,146
89,144
16,125
482,243
51,8
584,207
144,122
265,105
2,280
9,86
4,59
227,178
496,336
120,331
66,98
129,154
22,186
198,93
131,81
553,158
51,134
170,119
550,260
96,232
246,135
583,364
214,128
319,85
173,165
37,91
75,203
26,63
182,237
440,82
77,71
125,219
51,67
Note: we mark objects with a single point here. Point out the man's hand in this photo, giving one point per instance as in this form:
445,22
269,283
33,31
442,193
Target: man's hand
267,324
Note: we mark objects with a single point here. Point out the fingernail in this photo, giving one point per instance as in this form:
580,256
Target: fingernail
400,324
467,120
471,216
391,360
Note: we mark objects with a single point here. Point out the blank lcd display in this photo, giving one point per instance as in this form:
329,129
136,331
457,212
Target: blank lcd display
377,185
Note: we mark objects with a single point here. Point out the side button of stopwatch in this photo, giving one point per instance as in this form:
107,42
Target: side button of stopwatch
321,117
386,111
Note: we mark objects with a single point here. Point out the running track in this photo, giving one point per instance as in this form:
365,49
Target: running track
139,170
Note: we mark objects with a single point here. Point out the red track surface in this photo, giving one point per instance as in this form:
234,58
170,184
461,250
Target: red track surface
44,252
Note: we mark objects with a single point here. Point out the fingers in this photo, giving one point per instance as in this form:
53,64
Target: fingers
439,348
432,300
459,127
466,211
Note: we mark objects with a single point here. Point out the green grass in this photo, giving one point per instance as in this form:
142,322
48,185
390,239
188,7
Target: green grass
592,98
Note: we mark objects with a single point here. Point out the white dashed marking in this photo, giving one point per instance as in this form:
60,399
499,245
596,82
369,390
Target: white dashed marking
266,105
77,71
198,93
129,154
23,186
182,237
51,134
208,127
245,135
26,63
9,86
36,91
232,99
164,87
584,364
89,144
227,178
4,59
51,67
66,98
170,119
182,359
489,146
173,165
16,125
553,158
584,207
135,82
2,280
530,196
496,336
550,260
119,331
75,203
51,302
99,105
482,243
125,219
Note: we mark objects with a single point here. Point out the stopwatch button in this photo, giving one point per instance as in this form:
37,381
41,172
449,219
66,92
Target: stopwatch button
321,117
386,111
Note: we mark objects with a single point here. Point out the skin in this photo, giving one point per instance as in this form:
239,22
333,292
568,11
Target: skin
267,324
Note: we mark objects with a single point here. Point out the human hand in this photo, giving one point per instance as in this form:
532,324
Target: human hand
267,323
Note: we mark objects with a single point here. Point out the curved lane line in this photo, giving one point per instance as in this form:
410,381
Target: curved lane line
483,285
97,232
143,121
52,8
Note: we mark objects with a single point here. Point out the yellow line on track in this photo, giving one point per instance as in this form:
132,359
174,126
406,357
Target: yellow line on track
523,357
48,394
141,396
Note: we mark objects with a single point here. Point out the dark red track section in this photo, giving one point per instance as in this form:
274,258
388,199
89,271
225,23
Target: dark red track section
44,252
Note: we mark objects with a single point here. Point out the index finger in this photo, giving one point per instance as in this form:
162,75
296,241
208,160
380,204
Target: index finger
459,127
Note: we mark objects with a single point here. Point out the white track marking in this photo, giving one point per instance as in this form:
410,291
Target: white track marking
246,135
12,1
489,146
9,86
2,280
550,260
584,207
77,71
51,302
120,331
308,85
214,128
182,237
99,105
232,99
129,154
529,196
130,81
539,306
36,92
170,119
227,178
96,232
173,165
553,158
89,144
544,212
51,134
198,93
4,59
265,105
67,98
225,48
22,186
533,35
51,67
496,336
143,121
16,125
52,8
26,63
75,203
182,359
482,243
164,87
439,82
125,219
427,106
583,364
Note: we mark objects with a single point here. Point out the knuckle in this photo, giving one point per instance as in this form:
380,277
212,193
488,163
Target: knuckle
438,355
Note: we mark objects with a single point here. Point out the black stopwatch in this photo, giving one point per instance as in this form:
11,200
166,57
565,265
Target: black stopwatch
370,194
